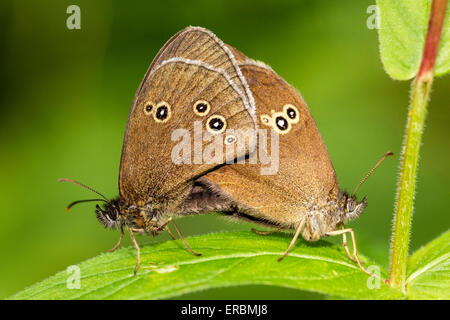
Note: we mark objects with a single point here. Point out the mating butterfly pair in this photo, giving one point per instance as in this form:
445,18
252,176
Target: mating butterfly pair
195,77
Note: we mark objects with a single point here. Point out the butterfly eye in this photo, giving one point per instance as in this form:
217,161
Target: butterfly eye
216,124
281,123
350,206
148,108
230,139
162,112
201,108
292,113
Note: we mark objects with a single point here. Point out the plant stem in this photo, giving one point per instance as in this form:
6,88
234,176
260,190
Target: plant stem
421,88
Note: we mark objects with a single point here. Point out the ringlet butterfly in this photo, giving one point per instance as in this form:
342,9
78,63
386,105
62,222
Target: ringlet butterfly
304,194
195,76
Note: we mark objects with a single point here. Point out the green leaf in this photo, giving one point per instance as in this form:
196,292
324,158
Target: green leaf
429,270
229,259
402,32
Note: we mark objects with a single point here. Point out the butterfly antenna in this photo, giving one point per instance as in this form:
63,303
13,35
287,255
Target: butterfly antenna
387,154
84,186
81,201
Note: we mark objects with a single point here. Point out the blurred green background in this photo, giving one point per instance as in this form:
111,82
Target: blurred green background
66,94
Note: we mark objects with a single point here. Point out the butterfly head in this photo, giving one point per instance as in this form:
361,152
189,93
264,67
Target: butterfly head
109,215
352,208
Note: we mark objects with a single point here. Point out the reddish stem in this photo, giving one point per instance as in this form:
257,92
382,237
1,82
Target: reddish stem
420,94
433,36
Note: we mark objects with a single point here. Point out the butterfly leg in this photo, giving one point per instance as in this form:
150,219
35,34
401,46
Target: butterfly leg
264,233
345,245
173,238
294,239
170,233
184,241
164,225
118,242
138,249
355,250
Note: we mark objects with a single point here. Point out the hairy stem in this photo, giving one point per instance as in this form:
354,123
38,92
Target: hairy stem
421,88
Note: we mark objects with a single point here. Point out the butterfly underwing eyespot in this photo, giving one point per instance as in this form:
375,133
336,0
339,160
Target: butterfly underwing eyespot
293,115
266,120
201,108
230,139
149,107
216,124
280,123
162,112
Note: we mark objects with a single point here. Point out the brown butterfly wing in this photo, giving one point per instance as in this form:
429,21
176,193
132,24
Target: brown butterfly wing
147,172
197,43
305,175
